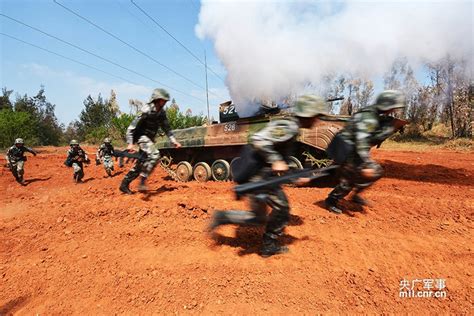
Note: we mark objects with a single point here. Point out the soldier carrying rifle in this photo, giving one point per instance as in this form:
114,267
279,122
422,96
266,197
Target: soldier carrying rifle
142,131
350,148
270,149
16,159
76,157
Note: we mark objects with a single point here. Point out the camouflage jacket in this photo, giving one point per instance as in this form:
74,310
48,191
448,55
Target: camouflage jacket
76,155
105,150
365,129
147,124
276,141
15,154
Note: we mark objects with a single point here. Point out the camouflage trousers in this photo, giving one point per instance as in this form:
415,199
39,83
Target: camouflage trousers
144,167
352,179
108,162
275,222
78,170
279,216
16,168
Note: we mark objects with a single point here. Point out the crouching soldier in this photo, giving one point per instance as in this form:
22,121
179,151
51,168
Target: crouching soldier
105,154
350,148
16,159
76,157
270,149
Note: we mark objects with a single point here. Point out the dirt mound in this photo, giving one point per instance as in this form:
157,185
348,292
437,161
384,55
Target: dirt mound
86,248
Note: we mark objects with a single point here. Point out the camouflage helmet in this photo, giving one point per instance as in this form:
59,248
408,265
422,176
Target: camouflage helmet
389,100
310,106
73,142
107,140
19,141
159,94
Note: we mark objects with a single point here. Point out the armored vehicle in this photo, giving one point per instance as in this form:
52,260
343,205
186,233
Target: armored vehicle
208,151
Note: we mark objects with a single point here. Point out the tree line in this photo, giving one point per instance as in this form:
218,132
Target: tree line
34,120
445,98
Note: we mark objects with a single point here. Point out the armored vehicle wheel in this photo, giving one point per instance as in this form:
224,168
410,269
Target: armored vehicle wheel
202,172
184,170
294,163
220,170
232,163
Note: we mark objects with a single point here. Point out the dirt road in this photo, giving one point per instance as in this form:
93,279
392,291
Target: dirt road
86,248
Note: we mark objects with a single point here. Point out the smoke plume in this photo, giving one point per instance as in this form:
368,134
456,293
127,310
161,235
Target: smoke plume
271,49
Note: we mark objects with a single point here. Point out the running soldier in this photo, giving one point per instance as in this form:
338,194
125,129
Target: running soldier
76,157
142,131
350,148
105,154
269,149
16,159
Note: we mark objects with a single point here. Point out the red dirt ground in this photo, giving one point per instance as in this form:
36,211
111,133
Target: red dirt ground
86,248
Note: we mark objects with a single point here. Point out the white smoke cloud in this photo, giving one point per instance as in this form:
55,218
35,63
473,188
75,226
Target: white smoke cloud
273,48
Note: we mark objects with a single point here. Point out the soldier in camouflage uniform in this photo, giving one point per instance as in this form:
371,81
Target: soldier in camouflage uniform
16,159
76,157
142,131
105,153
350,148
273,146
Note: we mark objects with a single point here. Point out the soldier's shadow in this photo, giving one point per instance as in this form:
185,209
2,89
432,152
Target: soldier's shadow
249,238
88,179
11,306
28,181
348,208
149,193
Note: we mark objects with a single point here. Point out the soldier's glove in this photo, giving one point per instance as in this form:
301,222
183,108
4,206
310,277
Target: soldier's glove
279,166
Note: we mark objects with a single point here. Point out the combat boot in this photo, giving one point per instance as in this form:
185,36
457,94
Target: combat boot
124,187
271,247
234,217
331,205
20,180
219,218
142,186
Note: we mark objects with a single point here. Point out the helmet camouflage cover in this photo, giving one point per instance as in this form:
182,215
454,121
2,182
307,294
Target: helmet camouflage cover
19,141
310,106
159,94
389,100
74,142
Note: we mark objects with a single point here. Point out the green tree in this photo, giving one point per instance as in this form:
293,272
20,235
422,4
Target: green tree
95,119
47,129
5,103
178,120
15,124
120,124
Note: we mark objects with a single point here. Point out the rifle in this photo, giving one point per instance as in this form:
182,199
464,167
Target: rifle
140,155
275,181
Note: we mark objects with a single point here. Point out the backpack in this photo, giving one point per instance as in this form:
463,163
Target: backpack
248,164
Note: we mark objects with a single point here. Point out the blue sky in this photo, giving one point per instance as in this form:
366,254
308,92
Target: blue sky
24,68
